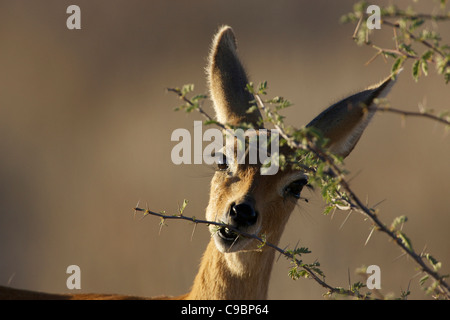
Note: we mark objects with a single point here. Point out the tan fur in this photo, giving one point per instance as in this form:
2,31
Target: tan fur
242,270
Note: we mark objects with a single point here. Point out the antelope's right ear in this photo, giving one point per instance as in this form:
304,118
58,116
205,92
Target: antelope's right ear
228,81
344,122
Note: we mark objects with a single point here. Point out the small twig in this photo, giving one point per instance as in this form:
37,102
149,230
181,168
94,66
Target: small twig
393,51
198,108
413,114
425,16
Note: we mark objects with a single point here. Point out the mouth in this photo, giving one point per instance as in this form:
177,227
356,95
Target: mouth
227,240
227,235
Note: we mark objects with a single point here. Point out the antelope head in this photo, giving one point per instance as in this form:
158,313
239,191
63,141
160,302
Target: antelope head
240,195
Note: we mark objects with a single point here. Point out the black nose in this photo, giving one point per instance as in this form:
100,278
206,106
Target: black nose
243,214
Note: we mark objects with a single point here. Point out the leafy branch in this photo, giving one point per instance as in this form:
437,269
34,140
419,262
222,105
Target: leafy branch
299,269
409,28
325,171
343,197
193,103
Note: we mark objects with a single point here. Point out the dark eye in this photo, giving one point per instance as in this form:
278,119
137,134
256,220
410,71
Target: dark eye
295,188
222,164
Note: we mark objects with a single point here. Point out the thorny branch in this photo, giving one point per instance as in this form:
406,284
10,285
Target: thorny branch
286,253
353,201
356,204
417,39
196,106
407,27
413,114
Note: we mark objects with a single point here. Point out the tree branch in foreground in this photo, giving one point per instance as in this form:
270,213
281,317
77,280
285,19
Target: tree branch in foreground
442,118
409,28
310,269
344,200
354,203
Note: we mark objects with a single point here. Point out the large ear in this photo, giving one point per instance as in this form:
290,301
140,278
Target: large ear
228,81
344,122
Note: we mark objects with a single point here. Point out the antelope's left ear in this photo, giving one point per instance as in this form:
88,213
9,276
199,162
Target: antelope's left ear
344,122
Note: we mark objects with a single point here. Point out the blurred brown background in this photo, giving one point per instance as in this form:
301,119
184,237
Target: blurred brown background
85,127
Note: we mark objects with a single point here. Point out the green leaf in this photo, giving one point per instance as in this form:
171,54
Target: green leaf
252,109
398,221
295,274
189,108
187,88
441,64
397,64
407,48
183,206
302,250
389,54
303,274
357,286
360,7
262,88
423,280
429,35
249,87
436,264
263,242
427,55
298,251
209,122
415,70
424,65
328,210
199,97
404,294
405,240
415,24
